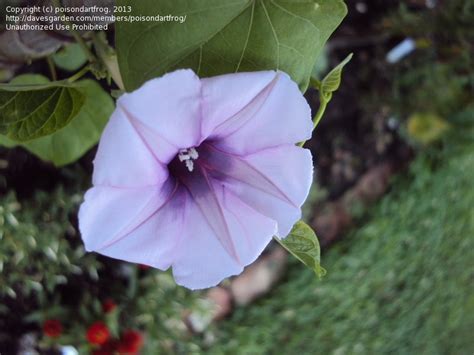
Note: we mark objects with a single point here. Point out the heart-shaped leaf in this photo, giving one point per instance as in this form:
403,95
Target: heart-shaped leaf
304,245
71,142
332,80
225,36
29,111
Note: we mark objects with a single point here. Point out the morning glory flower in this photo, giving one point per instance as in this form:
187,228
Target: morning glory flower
199,174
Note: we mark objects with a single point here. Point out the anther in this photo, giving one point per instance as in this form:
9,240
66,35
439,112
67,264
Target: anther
188,156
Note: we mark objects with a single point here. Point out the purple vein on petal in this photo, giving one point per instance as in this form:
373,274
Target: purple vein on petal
133,225
237,168
239,221
225,129
138,126
184,207
200,188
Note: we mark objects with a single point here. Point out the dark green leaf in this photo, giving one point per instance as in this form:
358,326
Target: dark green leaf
333,79
304,245
71,142
225,36
29,111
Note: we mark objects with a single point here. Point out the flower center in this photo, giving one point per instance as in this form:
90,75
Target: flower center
188,156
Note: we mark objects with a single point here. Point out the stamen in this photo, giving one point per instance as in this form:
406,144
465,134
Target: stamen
183,156
193,153
187,156
189,165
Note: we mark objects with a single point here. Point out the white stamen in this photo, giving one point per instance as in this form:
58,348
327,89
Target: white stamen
189,165
193,153
188,156
182,157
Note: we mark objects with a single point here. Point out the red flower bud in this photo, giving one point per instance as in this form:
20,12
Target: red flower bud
130,343
98,333
109,305
52,328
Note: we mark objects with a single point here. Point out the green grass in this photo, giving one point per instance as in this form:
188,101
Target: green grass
403,283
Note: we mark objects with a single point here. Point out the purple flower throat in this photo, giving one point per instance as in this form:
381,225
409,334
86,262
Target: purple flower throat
195,167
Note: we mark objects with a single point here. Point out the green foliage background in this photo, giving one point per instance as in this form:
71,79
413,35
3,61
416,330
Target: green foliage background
46,274
401,284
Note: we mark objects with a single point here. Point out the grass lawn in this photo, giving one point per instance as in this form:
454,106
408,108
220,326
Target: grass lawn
402,283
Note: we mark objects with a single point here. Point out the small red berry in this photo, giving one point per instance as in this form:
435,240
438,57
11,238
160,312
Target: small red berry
109,305
109,348
130,342
98,333
52,328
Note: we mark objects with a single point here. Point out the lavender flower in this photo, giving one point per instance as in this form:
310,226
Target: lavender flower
199,174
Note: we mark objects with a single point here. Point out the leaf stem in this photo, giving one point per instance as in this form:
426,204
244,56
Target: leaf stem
52,68
326,87
78,75
324,100
323,103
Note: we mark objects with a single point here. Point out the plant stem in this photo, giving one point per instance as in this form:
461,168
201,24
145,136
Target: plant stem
78,75
322,108
323,103
52,68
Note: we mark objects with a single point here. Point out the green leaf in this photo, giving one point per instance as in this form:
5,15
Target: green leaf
29,111
83,132
225,36
332,80
70,58
304,245
320,66
27,80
